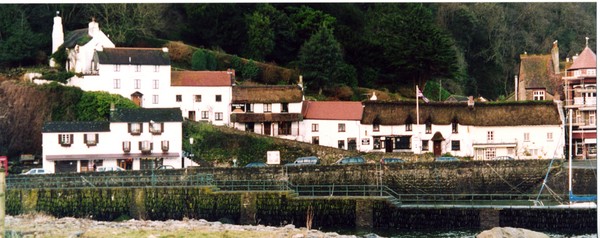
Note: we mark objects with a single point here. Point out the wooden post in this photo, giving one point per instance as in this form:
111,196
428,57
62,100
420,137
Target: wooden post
2,200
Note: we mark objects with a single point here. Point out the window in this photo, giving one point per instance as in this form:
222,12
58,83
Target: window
490,153
116,83
490,136
218,116
138,68
592,149
375,127
155,99
267,107
341,144
315,127
134,128
549,136
539,95
591,72
204,115
376,143
156,68
156,128
285,128
65,139
117,67
526,136
351,143
408,126
126,146
341,127
164,145
198,98
155,83
592,118
315,140
137,83
402,142
425,145
145,146
217,98
178,98
284,107
454,127
90,139
250,126
428,128
455,145
249,107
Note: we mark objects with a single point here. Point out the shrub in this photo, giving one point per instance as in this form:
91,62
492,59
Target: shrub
178,51
199,60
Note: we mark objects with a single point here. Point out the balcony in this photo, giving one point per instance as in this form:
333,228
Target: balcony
164,145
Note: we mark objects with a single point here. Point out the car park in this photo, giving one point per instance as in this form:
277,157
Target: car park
35,171
351,160
391,160
256,164
503,157
309,160
109,168
446,159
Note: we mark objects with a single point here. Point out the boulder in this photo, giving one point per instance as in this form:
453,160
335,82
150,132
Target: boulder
510,232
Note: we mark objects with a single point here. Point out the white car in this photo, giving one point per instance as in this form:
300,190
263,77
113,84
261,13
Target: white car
35,171
109,168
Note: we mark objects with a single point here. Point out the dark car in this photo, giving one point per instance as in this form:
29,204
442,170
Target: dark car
256,164
309,160
351,160
391,160
446,159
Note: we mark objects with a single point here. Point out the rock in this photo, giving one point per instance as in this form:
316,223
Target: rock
510,232
290,226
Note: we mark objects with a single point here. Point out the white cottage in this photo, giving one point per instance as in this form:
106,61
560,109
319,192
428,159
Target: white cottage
134,139
482,131
332,123
202,95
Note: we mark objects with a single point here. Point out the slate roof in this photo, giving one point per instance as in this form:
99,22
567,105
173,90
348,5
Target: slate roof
146,115
482,114
76,126
135,56
77,37
585,60
267,94
332,110
201,78
537,71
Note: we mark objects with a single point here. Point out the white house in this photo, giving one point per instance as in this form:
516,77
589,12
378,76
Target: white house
479,130
273,110
202,95
332,123
134,139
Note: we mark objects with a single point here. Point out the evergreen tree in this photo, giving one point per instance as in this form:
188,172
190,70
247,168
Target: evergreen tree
318,58
199,60
17,42
261,38
250,70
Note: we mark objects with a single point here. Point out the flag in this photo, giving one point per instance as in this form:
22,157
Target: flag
420,95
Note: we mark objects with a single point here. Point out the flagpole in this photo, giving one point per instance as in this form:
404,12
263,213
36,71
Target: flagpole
417,96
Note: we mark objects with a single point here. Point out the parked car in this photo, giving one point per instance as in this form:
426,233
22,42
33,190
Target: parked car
351,160
165,167
309,160
35,171
109,168
446,159
503,157
256,164
391,160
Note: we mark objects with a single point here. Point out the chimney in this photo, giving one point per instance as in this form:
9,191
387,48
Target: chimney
231,73
300,83
516,88
373,97
555,57
58,37
93,27
165,49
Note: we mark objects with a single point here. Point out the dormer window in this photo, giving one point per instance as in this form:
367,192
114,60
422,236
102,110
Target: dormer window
156,128
408,124
145,147
267,107
134,128
65,139
454,126
164,145
126,146
284,107
90,139
428,127
375,127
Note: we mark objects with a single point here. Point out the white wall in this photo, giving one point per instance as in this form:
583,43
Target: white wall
328,132
208,102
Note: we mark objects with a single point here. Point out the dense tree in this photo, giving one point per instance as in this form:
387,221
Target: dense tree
250,70
199,60
318,58
261,37
18,44
95,106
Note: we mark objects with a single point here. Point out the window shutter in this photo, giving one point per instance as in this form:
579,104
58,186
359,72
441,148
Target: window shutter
151,146
97,138
85,138
139,145
141,127
71,140
129,127
59,137
162,127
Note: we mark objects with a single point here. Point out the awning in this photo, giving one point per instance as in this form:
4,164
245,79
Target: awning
111,156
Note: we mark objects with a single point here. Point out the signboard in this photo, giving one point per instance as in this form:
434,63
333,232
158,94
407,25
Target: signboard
273,157
366,141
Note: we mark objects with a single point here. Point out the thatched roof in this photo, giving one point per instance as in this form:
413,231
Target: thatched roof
265,117
482,114
267,94
537,72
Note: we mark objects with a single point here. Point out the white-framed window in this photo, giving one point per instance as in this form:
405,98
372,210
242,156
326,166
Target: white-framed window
375,127
145,146
198,98
218,116
284,107
591,72
164,145
341,127
425,145
455,145
90,138
267,107
526,136
155,83
204,115
549,136
137,83
126,146
539,95
117,67
490,136
592,118
155,127
135,128
428,128
315,127
490,153
138,68
156,68
65,139
577,73
116,83
578,117
154,99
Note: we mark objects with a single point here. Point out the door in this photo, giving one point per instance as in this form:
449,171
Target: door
267,128
192,115
137,98
67,166
437,148
389,145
